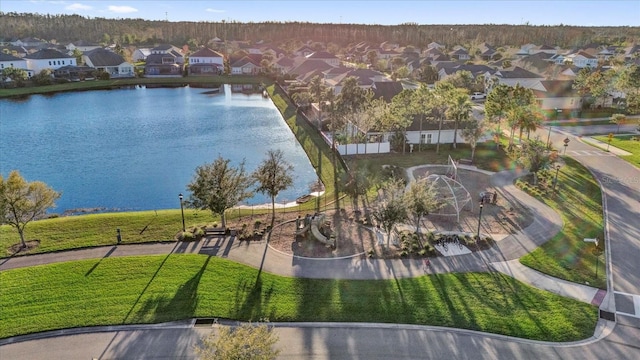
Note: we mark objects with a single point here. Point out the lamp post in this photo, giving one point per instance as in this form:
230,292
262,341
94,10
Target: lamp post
566,143
480,218
555,179
182,212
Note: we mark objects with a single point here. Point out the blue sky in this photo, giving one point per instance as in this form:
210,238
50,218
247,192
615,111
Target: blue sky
389,12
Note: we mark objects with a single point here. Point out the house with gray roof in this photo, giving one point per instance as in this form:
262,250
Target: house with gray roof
245,66
557,95
164,61
109,62
325,56
82,46
517,76
10,61
48,59
206,62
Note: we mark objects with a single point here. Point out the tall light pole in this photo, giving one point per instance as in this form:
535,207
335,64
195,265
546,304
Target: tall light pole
182,212
480,218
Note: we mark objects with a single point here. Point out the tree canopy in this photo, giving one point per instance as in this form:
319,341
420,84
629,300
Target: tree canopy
22,202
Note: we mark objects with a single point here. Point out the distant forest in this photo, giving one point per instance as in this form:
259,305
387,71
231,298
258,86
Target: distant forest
68,28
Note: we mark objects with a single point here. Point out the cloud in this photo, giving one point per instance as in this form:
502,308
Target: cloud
78,7
122,9
214,10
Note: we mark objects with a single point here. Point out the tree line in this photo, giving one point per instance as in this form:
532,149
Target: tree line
139,31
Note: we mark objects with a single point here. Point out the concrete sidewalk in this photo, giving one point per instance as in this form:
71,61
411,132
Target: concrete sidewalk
502,257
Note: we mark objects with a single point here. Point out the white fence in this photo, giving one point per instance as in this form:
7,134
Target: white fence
368,148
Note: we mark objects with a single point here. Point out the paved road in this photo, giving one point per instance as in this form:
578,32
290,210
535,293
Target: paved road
332,341
621,186
596,129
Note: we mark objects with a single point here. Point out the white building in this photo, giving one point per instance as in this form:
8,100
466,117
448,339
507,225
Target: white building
10,61
48,59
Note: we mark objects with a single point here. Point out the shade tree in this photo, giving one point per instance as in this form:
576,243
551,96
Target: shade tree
273,176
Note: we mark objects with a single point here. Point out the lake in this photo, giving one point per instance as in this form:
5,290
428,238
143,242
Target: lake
138,148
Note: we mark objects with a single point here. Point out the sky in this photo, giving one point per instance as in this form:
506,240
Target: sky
388,12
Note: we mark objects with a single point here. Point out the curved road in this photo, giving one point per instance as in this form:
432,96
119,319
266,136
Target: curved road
612,340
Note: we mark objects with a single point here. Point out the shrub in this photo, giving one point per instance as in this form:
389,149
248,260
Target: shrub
187,236
198,233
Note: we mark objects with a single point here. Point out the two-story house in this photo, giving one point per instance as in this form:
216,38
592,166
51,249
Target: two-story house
164,61
48,59
581,59
206,62
10,61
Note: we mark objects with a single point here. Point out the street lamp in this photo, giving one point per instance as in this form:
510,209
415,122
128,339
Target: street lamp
555,179
480,217
182,212
566,143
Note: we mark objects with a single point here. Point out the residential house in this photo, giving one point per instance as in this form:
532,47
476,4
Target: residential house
516,76
28,42
108,61
275,52
17,51
557,95
435,45
10,61
82,46
526,50
461,54
546,49
283,65
324,56
140,54
386,89
386,54
432,53
75,73
48,59
206,62
164,61
364,78
304,50
606,52
245,66
487,52
582,59
309,68
475,70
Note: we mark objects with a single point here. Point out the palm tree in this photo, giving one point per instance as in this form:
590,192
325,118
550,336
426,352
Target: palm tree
459,109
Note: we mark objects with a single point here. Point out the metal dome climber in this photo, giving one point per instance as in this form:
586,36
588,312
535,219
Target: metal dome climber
451,194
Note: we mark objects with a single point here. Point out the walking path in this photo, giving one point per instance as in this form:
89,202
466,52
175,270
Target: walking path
502,257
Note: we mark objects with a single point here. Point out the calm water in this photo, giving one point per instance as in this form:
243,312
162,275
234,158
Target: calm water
137,149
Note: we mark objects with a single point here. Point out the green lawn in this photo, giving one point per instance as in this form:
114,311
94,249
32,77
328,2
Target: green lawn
579,203
624,142
71,232
154,289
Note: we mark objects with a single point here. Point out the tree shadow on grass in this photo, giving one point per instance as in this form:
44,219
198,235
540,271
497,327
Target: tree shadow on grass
161,308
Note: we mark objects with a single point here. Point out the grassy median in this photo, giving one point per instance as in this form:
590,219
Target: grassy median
579,203
625,142
152,289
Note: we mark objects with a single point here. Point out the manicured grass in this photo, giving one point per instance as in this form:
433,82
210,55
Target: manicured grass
579,203
578,123
154,289
624,142
107,84
317,150
73,232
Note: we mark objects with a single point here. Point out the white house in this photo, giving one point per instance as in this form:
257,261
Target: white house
206,62
82,46
10,61
581,59
557,95
48,59
516,76
434,45
245,66
324,56
141,54
109,62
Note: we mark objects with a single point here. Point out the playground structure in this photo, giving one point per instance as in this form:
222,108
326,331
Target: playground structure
316,227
